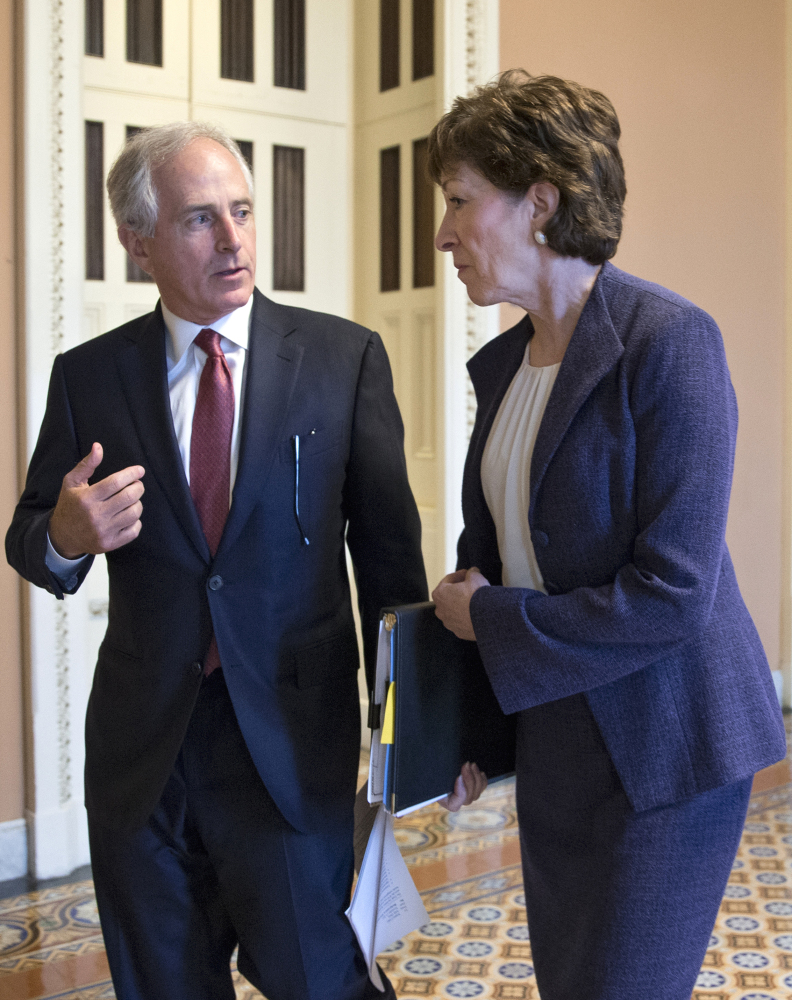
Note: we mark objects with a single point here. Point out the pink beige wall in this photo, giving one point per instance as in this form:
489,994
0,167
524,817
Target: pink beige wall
11,773
699,89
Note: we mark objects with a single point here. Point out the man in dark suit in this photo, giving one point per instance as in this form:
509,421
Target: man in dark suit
222,735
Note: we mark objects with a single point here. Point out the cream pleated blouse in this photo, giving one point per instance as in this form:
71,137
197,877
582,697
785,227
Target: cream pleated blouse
506,470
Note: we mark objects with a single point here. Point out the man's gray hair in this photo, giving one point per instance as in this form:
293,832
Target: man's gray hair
130,185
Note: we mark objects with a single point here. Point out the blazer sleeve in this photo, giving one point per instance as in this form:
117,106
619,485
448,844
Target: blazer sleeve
539,648
384,529
55,454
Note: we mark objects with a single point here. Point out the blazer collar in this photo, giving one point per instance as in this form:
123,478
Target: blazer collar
272,366
143,370
271,372
593,350
491,376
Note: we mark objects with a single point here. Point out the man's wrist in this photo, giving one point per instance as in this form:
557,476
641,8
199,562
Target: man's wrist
56,553
57,545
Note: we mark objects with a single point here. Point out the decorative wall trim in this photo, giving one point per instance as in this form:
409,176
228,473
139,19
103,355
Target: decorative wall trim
13,849
474,339
62,665
57,84
58,342
479,69
475,71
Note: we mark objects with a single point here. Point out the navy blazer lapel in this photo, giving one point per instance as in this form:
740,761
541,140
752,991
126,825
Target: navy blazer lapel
593,350
271,372
144,376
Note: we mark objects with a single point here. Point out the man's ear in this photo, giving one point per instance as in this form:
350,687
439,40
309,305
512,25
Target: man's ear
543,198
136,247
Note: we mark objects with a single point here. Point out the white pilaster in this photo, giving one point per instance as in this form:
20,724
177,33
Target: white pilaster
52,313
471,57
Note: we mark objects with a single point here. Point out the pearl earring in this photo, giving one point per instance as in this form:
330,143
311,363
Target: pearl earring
540,237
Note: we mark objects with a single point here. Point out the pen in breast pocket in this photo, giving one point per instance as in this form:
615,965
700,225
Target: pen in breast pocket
296,443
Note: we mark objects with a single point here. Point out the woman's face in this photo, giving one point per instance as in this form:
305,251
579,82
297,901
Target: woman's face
489,233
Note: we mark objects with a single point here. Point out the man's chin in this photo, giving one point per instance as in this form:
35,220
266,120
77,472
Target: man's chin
233,298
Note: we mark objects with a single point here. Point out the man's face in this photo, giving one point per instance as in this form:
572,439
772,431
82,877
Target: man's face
203,252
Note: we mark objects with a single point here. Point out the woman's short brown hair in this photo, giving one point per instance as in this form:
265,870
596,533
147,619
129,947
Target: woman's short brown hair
522,129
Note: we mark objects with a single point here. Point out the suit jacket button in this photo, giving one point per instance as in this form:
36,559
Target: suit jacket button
215,582
197,668
540,538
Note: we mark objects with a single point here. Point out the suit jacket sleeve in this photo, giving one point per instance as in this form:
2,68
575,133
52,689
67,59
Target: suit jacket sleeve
384,532
539,648
56,453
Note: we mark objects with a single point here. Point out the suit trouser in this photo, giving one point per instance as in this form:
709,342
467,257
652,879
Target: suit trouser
620,903
217,865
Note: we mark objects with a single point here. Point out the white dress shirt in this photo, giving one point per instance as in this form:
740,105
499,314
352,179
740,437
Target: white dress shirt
506,470
185,362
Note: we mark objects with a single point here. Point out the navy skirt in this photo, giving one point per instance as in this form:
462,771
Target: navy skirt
620,904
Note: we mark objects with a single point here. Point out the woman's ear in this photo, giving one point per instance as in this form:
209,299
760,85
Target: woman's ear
543,198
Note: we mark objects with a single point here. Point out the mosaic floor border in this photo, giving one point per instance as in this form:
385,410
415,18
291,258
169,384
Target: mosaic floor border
477,943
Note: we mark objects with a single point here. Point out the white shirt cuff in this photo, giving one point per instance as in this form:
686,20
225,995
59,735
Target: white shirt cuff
64,569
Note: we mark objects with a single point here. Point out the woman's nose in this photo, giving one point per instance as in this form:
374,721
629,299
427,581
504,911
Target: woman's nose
446,238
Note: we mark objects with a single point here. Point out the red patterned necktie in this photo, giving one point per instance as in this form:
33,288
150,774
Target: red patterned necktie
210,452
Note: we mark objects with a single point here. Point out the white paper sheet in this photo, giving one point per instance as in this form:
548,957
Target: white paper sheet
386,904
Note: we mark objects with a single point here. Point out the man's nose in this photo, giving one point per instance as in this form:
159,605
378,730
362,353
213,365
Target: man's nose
446,237
227,236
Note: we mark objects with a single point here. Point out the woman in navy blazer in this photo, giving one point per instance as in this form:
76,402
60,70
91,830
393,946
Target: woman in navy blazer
644,699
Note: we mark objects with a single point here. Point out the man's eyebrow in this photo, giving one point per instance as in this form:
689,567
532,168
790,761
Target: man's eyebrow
189,209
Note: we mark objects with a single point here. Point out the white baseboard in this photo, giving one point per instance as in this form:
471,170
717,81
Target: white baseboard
58,840
13,849
778,680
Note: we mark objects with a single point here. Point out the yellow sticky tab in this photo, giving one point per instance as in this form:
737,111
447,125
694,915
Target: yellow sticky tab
387,722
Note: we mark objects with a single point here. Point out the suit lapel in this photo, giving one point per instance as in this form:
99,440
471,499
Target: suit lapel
592,352
143,371
271,373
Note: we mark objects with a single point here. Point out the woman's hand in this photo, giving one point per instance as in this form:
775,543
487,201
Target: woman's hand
467,788
452,600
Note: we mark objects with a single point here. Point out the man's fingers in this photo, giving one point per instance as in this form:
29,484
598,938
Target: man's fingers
126,535
116,482
124,518
120,501
85,468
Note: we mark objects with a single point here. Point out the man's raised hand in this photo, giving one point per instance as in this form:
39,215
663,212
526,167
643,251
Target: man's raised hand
99,518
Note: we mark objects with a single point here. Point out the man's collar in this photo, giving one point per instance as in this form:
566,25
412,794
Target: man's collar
235,326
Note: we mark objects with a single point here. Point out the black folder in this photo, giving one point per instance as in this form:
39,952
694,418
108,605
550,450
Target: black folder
445,711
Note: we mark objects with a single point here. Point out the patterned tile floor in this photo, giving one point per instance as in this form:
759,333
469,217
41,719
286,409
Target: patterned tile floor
467,869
